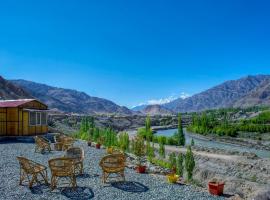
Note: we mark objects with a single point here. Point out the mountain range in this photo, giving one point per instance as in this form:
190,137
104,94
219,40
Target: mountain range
59,99
10,91
243,92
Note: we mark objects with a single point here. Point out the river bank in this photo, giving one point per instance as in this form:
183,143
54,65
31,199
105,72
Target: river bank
245,174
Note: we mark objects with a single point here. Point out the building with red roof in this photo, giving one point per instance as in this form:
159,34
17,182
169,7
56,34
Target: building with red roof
23,117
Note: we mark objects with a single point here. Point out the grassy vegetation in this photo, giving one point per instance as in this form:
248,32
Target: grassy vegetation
109,138
219,122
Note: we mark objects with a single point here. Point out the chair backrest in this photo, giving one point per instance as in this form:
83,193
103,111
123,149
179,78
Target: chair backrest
62,166
75,153
113,161
41,140
26,164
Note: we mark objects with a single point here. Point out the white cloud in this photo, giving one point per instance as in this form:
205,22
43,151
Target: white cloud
183,95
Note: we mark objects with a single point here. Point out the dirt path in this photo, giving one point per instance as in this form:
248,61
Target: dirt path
170,148
202,153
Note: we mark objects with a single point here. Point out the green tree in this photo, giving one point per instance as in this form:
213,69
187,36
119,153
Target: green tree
180,134
148,130
161,150
180,166
189,163
172,160
192,142
123,141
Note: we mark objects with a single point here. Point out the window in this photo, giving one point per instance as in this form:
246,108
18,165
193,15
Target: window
44,118
32,118
38,118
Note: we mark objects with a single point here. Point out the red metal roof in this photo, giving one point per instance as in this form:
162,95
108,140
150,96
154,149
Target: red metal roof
14,103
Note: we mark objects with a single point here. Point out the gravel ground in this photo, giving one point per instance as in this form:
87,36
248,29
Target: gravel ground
137,186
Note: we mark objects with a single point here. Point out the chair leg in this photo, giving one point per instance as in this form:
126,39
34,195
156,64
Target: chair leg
53,182
22,176
33,180
45,176
81,168
73,182
123,175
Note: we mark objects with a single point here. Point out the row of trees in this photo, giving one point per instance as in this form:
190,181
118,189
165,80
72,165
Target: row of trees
209,123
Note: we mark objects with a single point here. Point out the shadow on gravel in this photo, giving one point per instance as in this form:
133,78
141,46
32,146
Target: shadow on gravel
87,176
227,195
38,189
80,193
128,186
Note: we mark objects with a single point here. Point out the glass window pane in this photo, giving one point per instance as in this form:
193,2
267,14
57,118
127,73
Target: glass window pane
44,118
38,118
32,118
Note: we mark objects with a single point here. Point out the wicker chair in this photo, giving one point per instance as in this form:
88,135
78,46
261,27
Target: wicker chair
113,164
67,143
77,154
42,144
30,170
63,142
62,167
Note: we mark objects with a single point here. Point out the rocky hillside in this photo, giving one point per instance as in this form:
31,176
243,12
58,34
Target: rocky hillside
67,100
156,110
258,96
10,91
224,95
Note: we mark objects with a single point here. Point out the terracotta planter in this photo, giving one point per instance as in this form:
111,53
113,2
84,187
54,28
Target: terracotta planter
98,146
216,188
89,143
141,169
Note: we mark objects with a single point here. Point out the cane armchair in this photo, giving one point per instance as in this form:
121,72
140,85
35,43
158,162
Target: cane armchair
113,164
42,144
60,168
32,171
67,143
63,142
77,154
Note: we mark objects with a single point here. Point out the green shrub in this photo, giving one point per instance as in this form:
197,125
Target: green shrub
138,147
192,142
189,163
161,150
179,135
180,166
123,141
172,160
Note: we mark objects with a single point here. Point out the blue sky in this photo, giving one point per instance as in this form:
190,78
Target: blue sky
134,51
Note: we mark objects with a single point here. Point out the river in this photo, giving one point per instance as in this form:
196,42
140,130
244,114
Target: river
216,144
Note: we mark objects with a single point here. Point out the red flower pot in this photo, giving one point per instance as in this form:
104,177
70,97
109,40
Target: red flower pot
141,169
216,188
98,146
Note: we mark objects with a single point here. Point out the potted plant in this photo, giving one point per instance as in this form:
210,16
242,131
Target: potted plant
99,142
172,178
109,150
139,150
216,187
